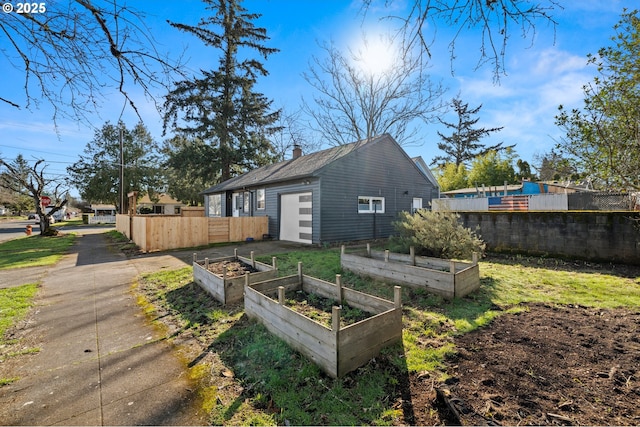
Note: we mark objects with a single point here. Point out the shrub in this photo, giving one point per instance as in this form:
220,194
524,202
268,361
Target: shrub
436,234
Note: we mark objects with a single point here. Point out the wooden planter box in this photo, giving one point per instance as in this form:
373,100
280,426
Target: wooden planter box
337,350
229,290
451,279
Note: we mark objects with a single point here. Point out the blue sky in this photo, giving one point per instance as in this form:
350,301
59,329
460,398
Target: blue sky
540,76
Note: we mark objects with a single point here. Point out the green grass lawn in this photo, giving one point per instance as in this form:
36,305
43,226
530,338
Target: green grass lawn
14,304
274,384
16,301
34,251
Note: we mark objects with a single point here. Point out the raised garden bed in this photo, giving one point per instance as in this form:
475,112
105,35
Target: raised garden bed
224,278
339,348
451,279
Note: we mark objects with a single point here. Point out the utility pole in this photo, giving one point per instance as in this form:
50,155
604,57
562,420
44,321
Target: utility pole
122,211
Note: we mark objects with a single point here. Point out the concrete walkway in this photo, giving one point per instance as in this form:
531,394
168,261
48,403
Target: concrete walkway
100,363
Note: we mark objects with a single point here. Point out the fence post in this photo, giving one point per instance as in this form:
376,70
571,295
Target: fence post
369,250
339,286
474,258
342,249
335,320
397,296
195,258
274,263
452,267
412,254
206,264
300,273
253,260
386,255
281,295
235,253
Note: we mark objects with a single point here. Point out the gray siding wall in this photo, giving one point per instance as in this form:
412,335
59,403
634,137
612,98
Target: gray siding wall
273,204
378,170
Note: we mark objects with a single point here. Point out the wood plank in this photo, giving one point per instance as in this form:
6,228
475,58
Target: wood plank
433,281
432,263
209,282
467,281
265,286
218,230
320,287
366,302
233,292
313,339
360,342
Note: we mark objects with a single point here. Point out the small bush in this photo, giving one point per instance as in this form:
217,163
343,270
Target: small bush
437,234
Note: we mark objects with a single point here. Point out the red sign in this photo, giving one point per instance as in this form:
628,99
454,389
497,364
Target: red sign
45,201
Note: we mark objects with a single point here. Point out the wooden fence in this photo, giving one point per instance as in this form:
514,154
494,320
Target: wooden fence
535,202
162,232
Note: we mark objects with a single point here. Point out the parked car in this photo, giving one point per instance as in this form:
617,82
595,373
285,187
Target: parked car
32,216
52,220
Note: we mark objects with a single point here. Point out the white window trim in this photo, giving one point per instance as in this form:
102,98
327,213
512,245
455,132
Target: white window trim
371,205
264,199
246,202
212,205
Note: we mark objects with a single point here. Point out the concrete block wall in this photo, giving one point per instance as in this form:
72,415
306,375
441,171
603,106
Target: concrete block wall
588,235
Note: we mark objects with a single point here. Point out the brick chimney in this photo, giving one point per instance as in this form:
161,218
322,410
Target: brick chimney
297,151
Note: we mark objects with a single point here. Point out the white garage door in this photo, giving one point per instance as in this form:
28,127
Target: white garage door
295,217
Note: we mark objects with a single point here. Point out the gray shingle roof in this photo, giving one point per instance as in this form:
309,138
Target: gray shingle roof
303,166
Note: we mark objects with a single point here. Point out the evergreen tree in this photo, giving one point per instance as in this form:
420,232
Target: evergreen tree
524,170
97,173
463,144
221,107
187,169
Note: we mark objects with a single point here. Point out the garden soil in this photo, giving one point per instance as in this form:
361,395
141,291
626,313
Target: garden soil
547,365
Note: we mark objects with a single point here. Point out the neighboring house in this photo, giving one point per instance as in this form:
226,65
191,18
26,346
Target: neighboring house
164,204
102,210
102,214
350,192
427,172
524,188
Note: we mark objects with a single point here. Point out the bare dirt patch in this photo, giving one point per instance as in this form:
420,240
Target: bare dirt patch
549,365
232,268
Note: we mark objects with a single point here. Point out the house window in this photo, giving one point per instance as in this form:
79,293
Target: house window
368,204
215,205
260,199
246,201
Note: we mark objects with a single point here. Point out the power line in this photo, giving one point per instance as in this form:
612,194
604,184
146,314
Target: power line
37,151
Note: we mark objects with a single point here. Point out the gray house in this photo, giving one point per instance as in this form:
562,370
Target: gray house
350,192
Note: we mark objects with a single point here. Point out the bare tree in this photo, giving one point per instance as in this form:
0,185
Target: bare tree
292,133
21,178
353,104
71,51
497,21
